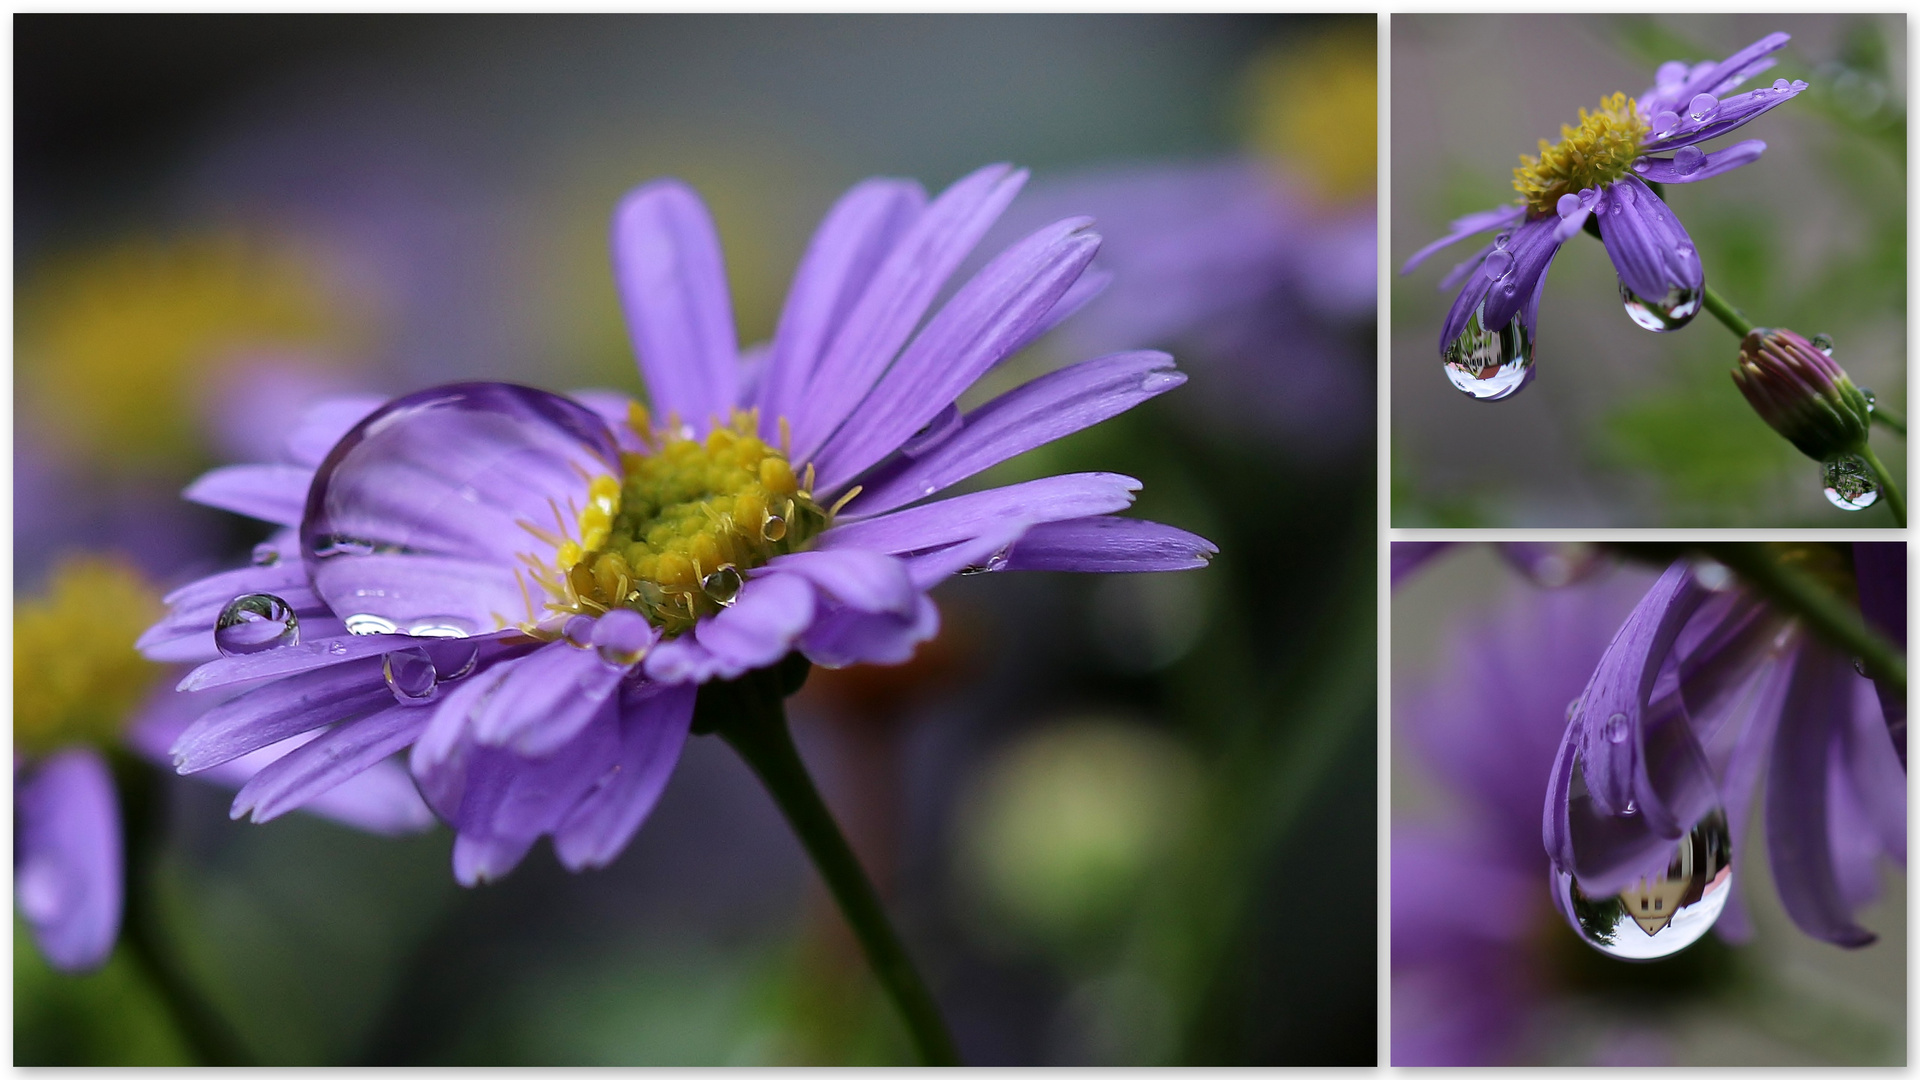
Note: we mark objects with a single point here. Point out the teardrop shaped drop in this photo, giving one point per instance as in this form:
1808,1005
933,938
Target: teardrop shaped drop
255,623
411,676
1662,912
1670,312
1490,365
1848,483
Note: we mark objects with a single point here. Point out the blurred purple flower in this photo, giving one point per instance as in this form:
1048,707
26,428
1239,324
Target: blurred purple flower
686,551
1602,169
1704,687
67,859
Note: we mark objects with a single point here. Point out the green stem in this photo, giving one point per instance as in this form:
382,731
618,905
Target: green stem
1892,421
1725,312
1833,620
750,715
1895,502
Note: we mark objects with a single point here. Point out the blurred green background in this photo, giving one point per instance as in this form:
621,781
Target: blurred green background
1623,427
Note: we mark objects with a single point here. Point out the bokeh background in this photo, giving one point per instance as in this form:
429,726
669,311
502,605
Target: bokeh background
1547,998
1623,427
1092,804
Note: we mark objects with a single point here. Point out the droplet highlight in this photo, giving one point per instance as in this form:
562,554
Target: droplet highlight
1618,728
255,623
1489,365
1702,106
1823,342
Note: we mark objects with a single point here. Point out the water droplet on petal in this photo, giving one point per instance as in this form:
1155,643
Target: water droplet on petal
1618,728
1497,265
1641,165
1689,160
1490,365
1780,84
995,562
1670,312
938,430
1573,709
722,586
454,661
1798,85
1702,106
578,631
1868,394
1153,382
265,553
1664,910
1712,575
1567,204
1501,241
255,623
364,623
1665,121
1823,342
411,676
1848,483
774,528
1624,193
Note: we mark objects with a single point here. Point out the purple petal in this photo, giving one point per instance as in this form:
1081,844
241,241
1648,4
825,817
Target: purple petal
1724,160
447,653
862,580
1050,407
1648,245
1880,573
988,550
1109,545
545,700
441,753
480,858
284,707
848,248
1532,247
761,626
326,423
991,312
1622,684
1875,776
1461,228
900,293
652,732
920,528
67,859
1733,113
844,637
681,660
321,765
673,287
1798,850
1087,288
276,493
185,633
1406,556
1716,78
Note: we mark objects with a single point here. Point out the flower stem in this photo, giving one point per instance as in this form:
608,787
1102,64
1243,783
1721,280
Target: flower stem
1895,501
1833,620
750,714
1893,422
1725,312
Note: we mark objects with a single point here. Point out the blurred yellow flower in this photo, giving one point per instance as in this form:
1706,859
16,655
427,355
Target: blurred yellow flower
1314,106
76,676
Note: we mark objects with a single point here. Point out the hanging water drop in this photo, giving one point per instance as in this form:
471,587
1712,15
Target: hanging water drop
1618,728
1689,160
1490,365
1849,483
722,586
1663,911
255,623
1670,312
411,676
1823,342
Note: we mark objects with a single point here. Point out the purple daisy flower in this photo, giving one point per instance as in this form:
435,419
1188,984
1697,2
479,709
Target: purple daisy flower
528,589
1598,175
1706,687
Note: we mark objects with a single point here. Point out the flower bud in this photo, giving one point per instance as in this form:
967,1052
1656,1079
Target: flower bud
1802,394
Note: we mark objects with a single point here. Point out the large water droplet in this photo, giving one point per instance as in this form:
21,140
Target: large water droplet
1490,365
1670,312
255,623
722,586
1688,160
1664,122
1849,483
1664,911
1702,106
1617,728
1497,265
411,676
1780,84
1823,342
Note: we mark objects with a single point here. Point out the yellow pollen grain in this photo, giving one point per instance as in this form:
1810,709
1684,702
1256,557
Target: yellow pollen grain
1601,150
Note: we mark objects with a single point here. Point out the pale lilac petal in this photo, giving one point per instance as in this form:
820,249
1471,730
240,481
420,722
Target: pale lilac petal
992,312
863,580
439,757
185,633
652,732
67,859
1109,545
847,249
681,660
276,493
900,293
276,710
1798,849
1648,245
321,765
1761,718
546,700
1717,163
325,423
1622,684
844,637
1050,407
673,287
761,626
1875,776
448,654
1085,289
987,551
1461,228
920,528
478,859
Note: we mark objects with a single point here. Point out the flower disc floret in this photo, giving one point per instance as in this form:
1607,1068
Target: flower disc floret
674,537
1601,150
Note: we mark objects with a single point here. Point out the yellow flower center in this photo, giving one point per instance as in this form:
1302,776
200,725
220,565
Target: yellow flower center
1598,152
76,676
675,536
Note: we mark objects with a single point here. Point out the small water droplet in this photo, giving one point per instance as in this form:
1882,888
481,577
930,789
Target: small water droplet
1661,913
774,528
265,553
1823,342
365,623
1630,809
1490,365
1780,84
1501,241
578,632
255,623
337,648
995,562
1689,160
1670,312
1860,668
1617,728
411,676
938,430
1624,193
1573,709
1702,106
1849,483
1684,251
1797,85
1641,165
722,586
1868,394
1498,264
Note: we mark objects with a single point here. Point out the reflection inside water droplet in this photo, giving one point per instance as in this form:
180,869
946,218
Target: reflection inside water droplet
1849,483
1662,912
255,623
1823,342
265,553
411,676
1490,365
995,562
1702,106
1670,312
774,528
1689,159
722,586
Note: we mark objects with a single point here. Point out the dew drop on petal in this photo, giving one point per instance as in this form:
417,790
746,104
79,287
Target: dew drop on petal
1567,204
1848,483
1823,342
1617,728
1664,910
362,622
1670,312
266,553
1702,106
1642,164
1501,241
578,631
1689,160
454,661
1624,193
411,676
937,430
255,623
1497,265
1860,668
1664,122
722,586
1490,365
1780,84
1868,394
774,528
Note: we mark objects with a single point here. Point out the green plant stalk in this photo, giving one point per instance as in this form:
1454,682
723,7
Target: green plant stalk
752,719
1731,319
1893,422
1829,618
1895,502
